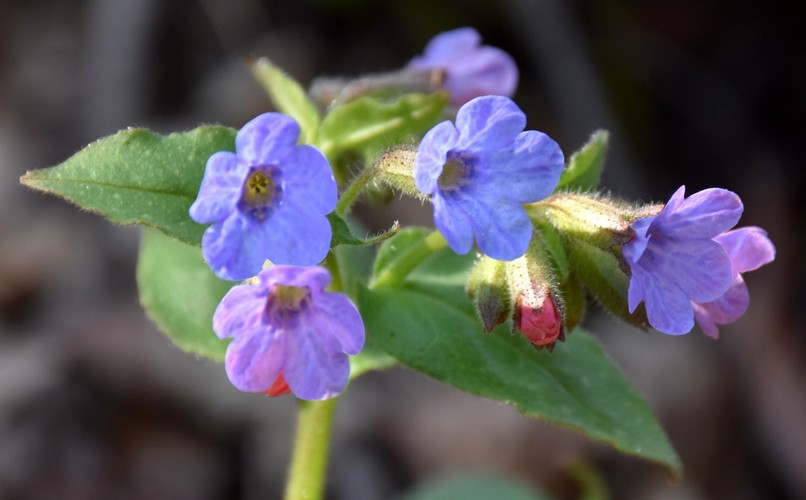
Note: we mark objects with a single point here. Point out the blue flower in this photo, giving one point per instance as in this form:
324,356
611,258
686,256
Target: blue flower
675,260
481,171
268,200
287,330
748,249
471,69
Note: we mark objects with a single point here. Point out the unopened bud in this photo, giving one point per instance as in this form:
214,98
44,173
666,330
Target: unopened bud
396,169
538,312
542,325
601,221
487,287
607,276
594,228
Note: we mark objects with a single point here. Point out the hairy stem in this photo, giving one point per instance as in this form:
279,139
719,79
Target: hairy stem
355,189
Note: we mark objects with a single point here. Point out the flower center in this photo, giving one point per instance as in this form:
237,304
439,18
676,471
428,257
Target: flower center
286,302
456,171
259,191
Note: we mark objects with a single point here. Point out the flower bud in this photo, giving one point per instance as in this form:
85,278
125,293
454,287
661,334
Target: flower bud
601,221
607,276
487,287
538,312
396,169
541,325
594,228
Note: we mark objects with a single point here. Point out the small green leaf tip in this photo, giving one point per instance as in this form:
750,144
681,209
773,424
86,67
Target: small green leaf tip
289,97
584,169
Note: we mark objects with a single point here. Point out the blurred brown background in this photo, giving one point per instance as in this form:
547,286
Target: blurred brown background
96,404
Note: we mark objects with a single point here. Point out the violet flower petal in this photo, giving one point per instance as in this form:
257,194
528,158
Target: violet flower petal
220,189
432,154
254,360
489,123
748,248
267,139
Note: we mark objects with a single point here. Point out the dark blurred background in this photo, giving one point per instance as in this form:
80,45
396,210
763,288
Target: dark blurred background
95,403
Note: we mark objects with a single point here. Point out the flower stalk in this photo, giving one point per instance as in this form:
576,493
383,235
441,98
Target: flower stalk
354,190
395,273
307,473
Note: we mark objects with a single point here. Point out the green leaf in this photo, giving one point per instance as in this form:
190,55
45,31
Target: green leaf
368,125
343,235
585,167
428,324
289,97
138,177
475,487
355,264
180,293
553,243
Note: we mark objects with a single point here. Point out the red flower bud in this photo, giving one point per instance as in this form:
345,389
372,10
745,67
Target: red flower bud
542,326
278,388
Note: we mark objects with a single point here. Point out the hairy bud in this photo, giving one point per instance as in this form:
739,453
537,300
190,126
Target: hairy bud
487,287
541,324
538,312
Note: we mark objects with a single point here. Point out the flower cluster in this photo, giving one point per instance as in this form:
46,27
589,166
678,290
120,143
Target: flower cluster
491,184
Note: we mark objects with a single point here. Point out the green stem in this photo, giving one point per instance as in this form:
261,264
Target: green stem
397,271
306,476
355,189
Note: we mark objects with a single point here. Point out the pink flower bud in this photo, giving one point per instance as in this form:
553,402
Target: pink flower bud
542,326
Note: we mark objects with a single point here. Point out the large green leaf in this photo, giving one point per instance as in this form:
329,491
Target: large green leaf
585,167
180,293
429,325
368,125
289,97
139,177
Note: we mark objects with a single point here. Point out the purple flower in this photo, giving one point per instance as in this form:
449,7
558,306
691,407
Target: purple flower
471,69
287,329
481,171
675,259
748,249
268,200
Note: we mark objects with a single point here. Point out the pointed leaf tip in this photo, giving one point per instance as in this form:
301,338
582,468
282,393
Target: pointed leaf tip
584,169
